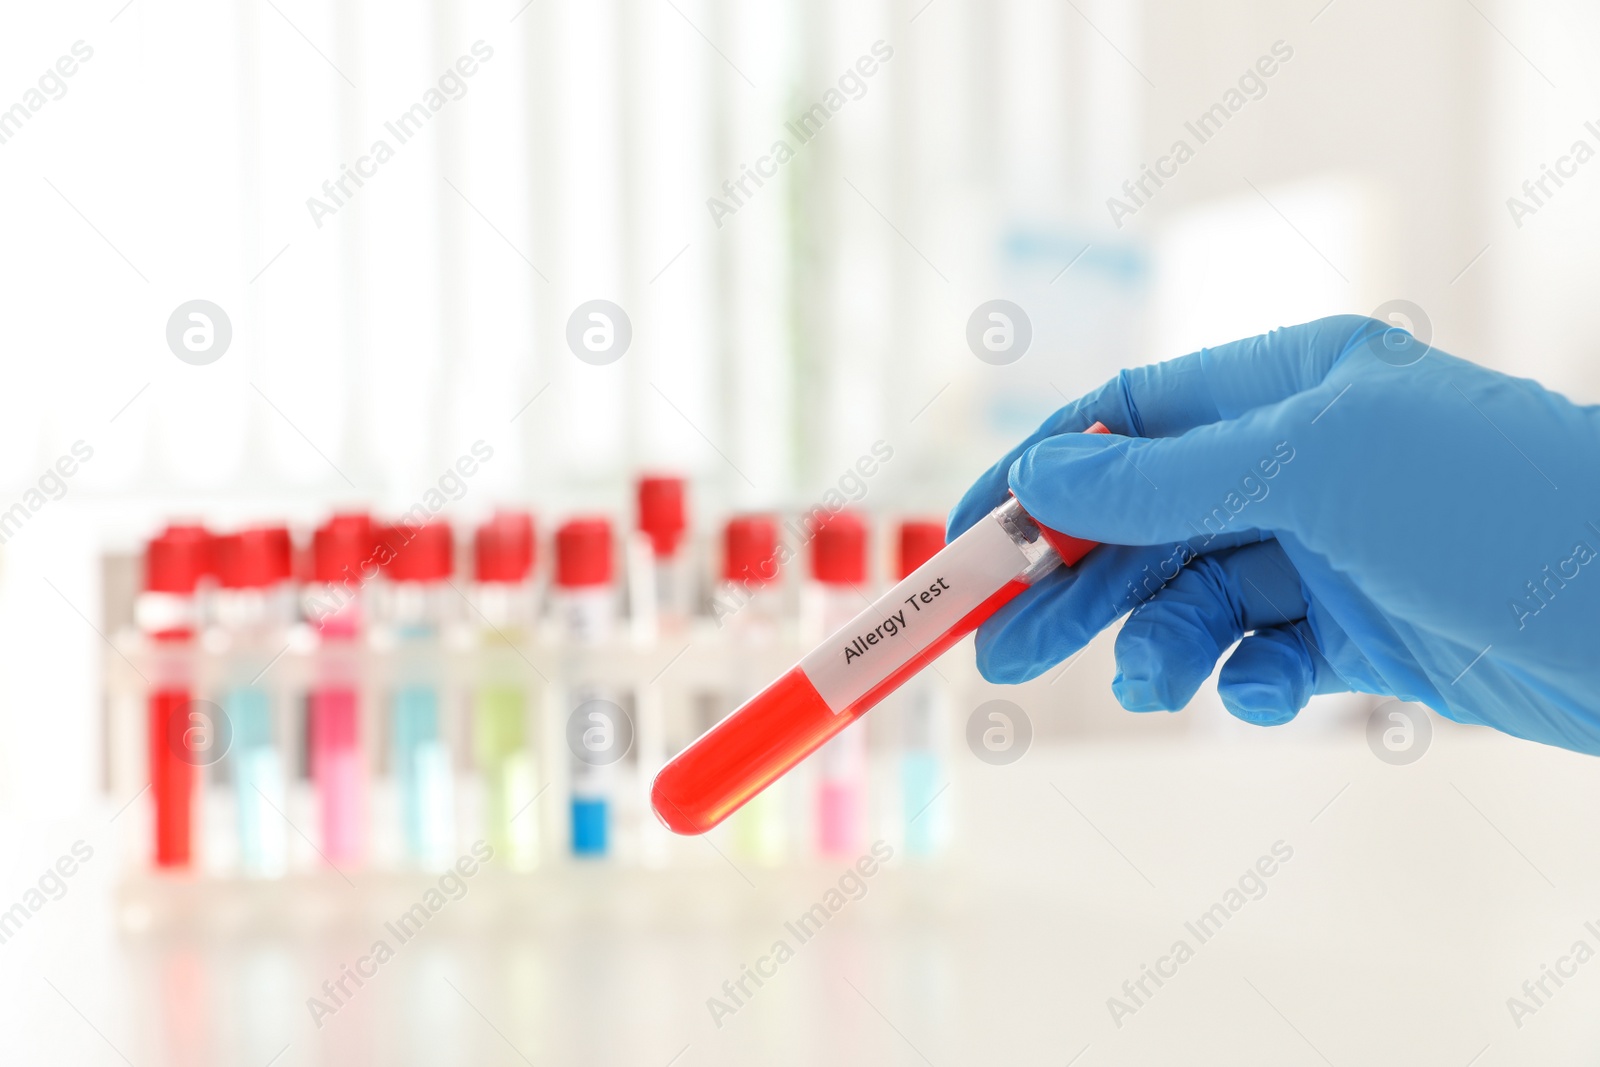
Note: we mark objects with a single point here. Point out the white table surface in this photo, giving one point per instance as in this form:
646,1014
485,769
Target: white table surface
1418,900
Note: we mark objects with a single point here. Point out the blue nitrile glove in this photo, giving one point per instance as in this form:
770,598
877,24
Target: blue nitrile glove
1384,517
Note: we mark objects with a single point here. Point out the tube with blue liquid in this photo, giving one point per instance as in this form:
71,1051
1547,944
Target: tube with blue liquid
598,732
924,723
418,564
254,608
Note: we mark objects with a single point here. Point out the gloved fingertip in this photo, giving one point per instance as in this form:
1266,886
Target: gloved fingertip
1137,694
998,672
1268,678
998,663
1258,703
1161,671
1035,487
1027,469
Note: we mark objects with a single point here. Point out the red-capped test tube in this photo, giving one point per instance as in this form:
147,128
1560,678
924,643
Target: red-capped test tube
838,571
864,661
502,559
335,602
661,600
175,564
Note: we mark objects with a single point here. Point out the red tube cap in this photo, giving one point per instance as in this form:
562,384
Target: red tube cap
1070,549
421,553
340,546
839,549
583,552
750,550
176,559
502,548
662,512
920,541
253,558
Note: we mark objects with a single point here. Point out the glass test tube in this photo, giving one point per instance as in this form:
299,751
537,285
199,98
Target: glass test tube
167,612
342,551
749,585
839,571
587,609
845,676
253,616
924,705
503,556
662,597
420,564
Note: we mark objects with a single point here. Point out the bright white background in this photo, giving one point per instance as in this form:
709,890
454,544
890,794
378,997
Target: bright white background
769,353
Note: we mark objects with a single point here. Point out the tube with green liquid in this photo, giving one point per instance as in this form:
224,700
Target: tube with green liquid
502,705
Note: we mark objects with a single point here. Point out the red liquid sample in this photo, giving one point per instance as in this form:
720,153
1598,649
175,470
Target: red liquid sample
772,732
172,778
765,738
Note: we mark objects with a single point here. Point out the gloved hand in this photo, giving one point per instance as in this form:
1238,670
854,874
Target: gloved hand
1377,515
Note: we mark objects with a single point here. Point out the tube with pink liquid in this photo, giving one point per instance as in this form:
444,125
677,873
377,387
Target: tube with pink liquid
839,571
342,561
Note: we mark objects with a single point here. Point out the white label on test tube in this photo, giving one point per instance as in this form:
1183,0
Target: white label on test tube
927,604
587,613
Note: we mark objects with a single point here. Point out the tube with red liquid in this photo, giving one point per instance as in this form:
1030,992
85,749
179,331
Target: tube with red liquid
840,680
175,563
